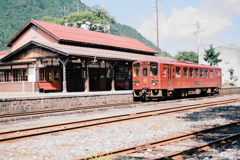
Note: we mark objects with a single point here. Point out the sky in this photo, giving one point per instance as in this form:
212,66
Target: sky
184,25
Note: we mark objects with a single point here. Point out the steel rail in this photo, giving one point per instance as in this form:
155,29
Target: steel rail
101,121
130,150
82,108
199,148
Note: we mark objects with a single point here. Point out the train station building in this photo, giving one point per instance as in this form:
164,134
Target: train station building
51,57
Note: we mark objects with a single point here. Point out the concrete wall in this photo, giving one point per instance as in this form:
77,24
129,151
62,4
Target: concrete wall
13,87
61,101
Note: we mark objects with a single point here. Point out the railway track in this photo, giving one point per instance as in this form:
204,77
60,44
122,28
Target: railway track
176,147
59,111
64,110
30,132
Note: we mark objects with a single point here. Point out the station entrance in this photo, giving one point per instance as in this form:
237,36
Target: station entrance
74,76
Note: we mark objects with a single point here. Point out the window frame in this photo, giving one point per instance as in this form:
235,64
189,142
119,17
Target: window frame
136,70
178,72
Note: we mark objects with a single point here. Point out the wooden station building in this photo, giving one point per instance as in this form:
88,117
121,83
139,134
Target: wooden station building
46,56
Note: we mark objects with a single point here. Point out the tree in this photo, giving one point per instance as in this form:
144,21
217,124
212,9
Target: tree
211,57
165,54
102,13
187,56
233,78
97,19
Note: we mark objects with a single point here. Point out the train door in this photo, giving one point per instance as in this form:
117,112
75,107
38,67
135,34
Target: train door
145,79
170,73
219,79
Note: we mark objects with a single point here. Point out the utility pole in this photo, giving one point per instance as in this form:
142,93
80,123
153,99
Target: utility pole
103,4
197,33
65,10
77,7
156,8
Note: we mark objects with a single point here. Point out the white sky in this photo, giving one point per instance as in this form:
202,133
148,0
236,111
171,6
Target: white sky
219,21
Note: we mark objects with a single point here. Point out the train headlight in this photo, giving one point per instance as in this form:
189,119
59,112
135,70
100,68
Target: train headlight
136,83
154,82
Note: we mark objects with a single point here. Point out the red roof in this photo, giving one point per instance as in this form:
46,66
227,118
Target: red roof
4,52
61,32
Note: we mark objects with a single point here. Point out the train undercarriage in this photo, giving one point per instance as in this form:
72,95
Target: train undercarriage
159,94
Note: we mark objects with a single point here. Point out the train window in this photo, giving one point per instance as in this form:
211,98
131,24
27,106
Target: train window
145,72
196,72
191,72
219,73
154,68
178,72
211,73
206,73
136,69
201,72
185,72
164,72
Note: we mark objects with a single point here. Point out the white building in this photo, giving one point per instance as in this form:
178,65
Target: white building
230,56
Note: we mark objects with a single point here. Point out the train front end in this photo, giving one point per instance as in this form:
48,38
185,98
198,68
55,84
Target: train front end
146,80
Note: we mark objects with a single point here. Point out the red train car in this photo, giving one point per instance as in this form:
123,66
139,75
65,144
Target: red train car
168,79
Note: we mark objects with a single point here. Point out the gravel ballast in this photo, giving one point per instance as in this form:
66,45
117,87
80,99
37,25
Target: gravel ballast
87,142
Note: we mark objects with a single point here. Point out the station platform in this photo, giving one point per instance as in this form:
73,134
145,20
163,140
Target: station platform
29,102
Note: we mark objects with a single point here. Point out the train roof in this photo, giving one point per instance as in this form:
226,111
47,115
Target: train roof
181,63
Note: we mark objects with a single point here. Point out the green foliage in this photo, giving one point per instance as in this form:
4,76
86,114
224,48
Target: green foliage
233,78
166,54
187,56
15,13
127,31
102,13
86,20
211,57
96,19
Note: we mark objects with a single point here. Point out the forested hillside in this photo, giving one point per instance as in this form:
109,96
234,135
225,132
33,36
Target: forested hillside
127,31
15,13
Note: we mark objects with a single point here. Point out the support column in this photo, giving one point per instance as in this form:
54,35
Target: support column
36,75
112,76
113,81
86,78
64,83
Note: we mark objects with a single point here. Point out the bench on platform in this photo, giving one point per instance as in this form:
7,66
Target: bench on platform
46,86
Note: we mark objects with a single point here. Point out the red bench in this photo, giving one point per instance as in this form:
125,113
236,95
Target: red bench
46,86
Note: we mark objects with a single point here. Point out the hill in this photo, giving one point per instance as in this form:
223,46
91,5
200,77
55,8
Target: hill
15,13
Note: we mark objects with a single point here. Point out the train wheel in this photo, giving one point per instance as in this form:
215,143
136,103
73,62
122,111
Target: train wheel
136,99
185,93
170,96
203,93
213,91
182,93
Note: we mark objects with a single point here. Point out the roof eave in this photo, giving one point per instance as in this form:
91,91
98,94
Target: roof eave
28,44
61,41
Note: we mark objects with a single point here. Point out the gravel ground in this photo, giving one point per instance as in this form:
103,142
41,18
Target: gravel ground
85,142
229,151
